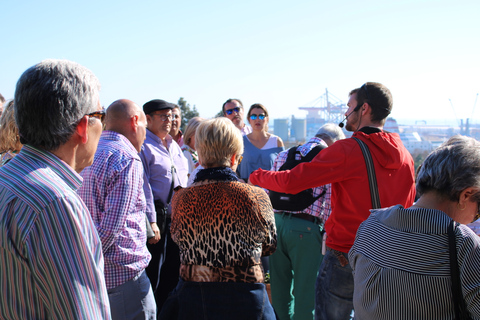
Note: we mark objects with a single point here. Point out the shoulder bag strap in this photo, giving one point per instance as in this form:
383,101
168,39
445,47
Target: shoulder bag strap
372,178
173,169
461,311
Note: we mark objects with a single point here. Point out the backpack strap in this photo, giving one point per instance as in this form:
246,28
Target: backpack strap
313,153
290,157
372,178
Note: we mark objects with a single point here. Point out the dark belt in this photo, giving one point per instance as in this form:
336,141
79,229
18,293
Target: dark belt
302,216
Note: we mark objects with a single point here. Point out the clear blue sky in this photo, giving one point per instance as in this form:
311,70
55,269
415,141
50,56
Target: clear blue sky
282,54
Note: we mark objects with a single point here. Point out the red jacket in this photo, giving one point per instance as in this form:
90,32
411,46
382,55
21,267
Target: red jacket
342,164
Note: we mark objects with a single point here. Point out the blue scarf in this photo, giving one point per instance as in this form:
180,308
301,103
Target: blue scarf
217,174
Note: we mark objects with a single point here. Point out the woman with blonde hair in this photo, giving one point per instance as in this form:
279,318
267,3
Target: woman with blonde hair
188,147
222,227
261,147
9,139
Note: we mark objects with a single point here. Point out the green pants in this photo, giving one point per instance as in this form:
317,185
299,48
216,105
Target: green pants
294,267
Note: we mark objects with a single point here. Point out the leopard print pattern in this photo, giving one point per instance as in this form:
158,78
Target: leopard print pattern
222,230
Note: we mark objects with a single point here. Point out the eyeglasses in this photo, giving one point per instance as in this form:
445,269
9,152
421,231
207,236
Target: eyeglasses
163,117
100,115
477,216
260,116
230,111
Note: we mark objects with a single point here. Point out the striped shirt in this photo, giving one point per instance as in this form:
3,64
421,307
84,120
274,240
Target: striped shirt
401,266
51,263
113,192
322,207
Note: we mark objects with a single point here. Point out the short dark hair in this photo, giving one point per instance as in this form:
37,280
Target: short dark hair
231,100
353,91
378,97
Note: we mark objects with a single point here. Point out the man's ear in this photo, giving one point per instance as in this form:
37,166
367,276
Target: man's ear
82,129
365,109
134,122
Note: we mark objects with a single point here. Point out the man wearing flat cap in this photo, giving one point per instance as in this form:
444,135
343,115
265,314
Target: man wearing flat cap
166,170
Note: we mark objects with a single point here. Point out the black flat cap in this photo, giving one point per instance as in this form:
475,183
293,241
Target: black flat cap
155,105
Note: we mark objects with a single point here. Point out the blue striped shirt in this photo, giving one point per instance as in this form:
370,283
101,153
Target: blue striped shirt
51,263
113,192
401,266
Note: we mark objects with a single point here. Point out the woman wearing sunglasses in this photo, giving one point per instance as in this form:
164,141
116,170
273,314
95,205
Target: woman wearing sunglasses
260,146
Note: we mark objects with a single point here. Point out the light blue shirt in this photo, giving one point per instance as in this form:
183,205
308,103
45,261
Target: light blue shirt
254,158
158,163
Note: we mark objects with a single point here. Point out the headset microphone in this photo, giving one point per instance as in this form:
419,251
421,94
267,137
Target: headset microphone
341,124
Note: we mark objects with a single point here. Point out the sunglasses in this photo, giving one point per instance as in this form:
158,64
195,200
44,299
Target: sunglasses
230,111
260,116
100,115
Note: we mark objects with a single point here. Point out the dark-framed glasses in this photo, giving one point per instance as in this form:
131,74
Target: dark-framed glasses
100,115
260,116
230,111
163,117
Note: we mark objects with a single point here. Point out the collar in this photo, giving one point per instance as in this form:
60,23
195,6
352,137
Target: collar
155,138
60,167
217,174
370,130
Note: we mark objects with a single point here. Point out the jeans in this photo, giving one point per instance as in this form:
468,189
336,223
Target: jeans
217,301
334,289
133,299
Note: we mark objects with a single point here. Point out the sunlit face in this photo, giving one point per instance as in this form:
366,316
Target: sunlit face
192,142
353,116
258,123
160,122
141,130
87,151
235,117
176,122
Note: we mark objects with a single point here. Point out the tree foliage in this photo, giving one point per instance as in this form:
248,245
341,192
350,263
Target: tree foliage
187,112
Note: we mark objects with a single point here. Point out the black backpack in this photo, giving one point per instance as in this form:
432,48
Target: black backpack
303,199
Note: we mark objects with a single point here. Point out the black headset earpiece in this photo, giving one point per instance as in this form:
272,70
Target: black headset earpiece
341,124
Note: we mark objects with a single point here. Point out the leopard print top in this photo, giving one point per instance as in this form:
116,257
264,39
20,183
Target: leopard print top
222,230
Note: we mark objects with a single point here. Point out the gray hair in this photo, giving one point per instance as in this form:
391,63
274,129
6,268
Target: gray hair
451,168
330,131
50,98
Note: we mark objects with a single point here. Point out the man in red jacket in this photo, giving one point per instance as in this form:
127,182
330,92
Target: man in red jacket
343,165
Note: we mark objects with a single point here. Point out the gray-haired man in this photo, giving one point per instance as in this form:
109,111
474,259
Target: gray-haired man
51,263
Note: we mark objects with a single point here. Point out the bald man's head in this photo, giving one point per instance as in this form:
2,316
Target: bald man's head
127,118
